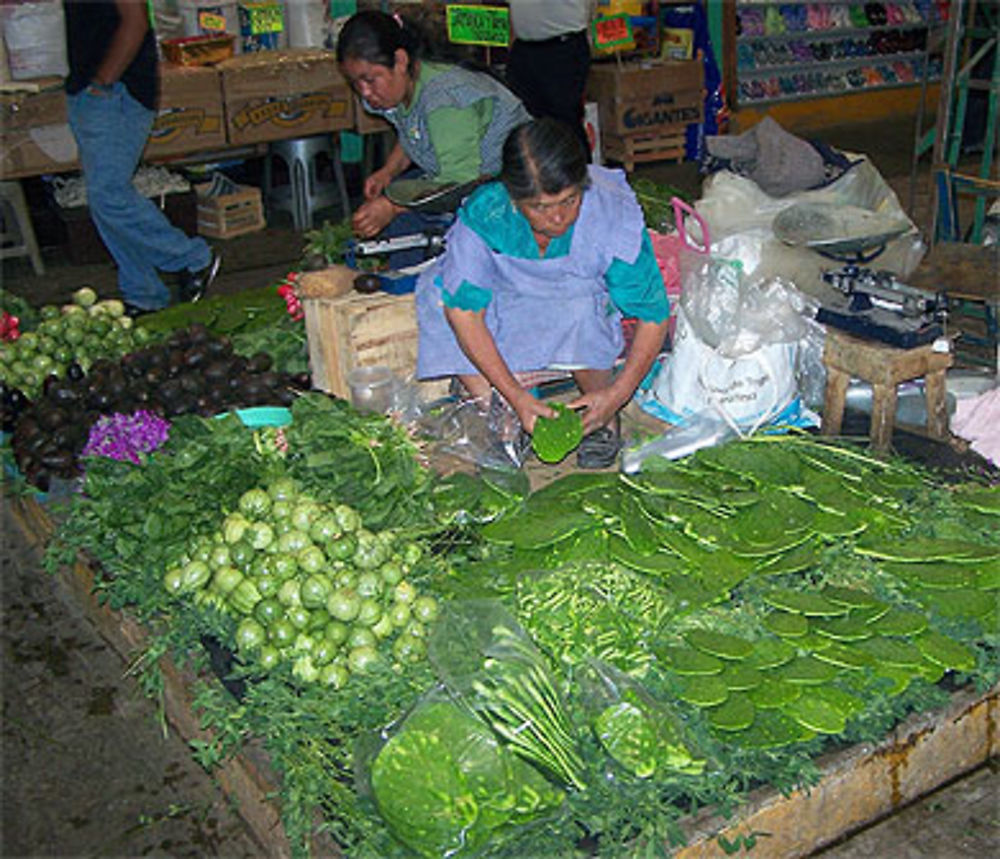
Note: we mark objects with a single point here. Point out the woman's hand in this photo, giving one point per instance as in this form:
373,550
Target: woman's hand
529,408
373,217
599,407
376,184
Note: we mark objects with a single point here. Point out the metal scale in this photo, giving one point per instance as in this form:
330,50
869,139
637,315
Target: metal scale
421,195
875,305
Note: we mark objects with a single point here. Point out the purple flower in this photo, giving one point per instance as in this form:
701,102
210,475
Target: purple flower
124,437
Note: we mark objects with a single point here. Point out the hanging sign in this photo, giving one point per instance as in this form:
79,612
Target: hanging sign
478,25
263,17
211,21
612,32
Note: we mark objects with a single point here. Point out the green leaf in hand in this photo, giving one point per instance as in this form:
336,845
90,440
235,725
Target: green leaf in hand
553,438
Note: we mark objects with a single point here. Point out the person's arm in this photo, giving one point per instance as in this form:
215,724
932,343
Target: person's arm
601,405
636,289
480,348
396,163
375,214
125,43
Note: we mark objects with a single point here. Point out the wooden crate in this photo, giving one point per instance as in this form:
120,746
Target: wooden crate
357,330
629,150
230,215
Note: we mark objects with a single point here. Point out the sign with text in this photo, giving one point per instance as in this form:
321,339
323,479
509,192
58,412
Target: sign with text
212,21
478,25
612,32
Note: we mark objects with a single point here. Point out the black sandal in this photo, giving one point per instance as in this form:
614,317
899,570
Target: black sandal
600,448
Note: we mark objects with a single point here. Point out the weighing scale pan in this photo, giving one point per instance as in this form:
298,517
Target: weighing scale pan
428,195
838,231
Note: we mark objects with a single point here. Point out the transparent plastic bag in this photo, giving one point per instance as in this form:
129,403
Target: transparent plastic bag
642,736
740,217
489,662
489,437
445,785
736,352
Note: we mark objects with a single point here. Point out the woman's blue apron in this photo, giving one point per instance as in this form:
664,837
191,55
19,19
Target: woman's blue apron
545,313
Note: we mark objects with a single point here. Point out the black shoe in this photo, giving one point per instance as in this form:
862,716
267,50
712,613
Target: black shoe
599,449
192,285
134,311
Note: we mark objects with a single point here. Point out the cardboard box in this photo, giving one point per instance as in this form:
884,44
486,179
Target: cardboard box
34,134
191,117
275,95
229,215
647,98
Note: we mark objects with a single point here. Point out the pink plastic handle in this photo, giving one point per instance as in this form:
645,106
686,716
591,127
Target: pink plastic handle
680,210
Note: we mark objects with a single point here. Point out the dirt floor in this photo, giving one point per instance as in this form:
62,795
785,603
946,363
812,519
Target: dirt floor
87,770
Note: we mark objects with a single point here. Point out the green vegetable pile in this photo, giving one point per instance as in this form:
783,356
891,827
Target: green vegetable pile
604,656
308,584
81,333
445,785
655,199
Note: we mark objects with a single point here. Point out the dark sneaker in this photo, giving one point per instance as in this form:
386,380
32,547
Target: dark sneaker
192,285
599,449
133,311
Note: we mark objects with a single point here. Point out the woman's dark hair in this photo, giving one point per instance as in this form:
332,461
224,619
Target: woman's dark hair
542,156
374,37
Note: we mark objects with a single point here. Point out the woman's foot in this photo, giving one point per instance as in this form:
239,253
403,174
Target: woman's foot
600,448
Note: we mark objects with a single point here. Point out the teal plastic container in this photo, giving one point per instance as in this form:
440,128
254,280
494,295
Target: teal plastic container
263,416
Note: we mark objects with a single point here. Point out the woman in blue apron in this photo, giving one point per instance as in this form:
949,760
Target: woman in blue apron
539,270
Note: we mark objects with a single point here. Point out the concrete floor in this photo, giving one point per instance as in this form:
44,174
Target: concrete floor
86,770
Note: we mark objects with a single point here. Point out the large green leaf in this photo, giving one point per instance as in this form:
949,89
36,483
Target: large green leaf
554,438
537,524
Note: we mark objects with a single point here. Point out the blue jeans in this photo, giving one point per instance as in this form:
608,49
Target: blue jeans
111,131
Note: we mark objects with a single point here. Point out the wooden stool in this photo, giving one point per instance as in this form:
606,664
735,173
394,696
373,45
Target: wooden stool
883,367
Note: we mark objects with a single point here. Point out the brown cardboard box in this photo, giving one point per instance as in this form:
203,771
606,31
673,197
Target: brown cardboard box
274,95
647,98
34,134
190,117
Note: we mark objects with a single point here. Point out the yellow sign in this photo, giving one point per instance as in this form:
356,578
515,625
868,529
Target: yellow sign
212,21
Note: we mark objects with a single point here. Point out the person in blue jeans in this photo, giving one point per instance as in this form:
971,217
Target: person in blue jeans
111,94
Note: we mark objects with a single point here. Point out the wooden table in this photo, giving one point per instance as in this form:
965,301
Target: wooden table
883,367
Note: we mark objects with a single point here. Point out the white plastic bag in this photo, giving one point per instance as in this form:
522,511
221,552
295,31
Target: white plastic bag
736,351
740,217
35,38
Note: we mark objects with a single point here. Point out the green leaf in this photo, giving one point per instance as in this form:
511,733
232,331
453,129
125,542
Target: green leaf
554,438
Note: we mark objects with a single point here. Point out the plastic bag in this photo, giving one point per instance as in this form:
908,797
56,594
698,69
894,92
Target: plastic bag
489,437
35,36
668,247
642,736
489,662
446,786
740,215
736,351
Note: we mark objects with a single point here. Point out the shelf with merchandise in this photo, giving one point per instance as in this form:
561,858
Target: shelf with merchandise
792,51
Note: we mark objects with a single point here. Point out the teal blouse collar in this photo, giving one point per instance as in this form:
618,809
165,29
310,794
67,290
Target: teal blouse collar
491,214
